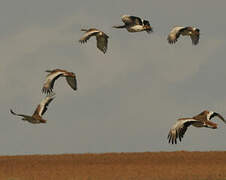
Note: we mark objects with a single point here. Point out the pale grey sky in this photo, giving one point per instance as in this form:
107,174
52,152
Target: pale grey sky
128,98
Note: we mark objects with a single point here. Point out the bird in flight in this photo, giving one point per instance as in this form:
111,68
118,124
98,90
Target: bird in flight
175,33
54,75
101,37
135,24
36,118
201,120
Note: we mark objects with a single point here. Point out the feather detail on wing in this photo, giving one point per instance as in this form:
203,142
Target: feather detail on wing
214,114
194,39
146,24
178,129
42,107
88,34
22,115
102,42
72,81
174,34
50,80
131,20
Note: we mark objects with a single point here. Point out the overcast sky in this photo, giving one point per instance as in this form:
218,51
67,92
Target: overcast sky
128,98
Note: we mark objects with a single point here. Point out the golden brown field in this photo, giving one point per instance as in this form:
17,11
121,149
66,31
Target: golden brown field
119,166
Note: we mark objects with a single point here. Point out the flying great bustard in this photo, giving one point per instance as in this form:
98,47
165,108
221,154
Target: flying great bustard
101,37
184,31
201,120
135,24
54,75
36,118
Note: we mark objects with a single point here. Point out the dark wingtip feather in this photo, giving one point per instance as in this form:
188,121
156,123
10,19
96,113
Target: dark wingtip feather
11,111
46,90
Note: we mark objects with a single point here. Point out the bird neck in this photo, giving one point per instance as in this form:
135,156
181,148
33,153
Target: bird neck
123,26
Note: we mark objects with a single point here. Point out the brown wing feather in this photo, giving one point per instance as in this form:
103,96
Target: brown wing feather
72,81
131,20
102,42
175,34
50,80
22,115
88,34
195,39
42,107
46,106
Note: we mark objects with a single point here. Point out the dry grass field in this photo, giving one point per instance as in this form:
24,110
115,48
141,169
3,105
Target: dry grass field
117,166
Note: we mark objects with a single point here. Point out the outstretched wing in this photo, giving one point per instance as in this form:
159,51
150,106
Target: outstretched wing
22,115
178,129
72,81
214,114
102,42
88,34
50,80
174,34
131,20
42,107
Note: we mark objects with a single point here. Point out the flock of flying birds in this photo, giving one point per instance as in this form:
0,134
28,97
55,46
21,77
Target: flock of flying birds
132,24
136,24
47,88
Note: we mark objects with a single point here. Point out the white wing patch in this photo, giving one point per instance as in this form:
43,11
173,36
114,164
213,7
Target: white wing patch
48,84
178,129
44,103
209,115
